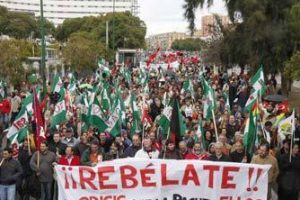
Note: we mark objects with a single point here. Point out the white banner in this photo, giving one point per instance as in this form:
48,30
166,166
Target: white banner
141,179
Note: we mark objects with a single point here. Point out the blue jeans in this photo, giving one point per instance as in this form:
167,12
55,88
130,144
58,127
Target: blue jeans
46,190
7,192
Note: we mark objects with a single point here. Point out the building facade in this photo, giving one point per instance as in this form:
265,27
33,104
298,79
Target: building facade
57,11
209,23
164,40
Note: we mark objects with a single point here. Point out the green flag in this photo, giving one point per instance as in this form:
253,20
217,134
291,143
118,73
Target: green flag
165,118
105,100
114,121
96,116
136,124
60,111
250,133
258,81
18,131
210,101
27,103
57,84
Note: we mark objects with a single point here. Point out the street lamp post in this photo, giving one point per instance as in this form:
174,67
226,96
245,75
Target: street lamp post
43,46
113,36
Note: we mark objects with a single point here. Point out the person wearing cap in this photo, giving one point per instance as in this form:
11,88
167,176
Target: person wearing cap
69,139
170,151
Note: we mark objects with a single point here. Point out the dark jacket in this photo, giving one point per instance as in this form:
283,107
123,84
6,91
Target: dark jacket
24,159
10,171
80,148
131,151
223,158
289,176
46,167
238,157
60,147
175,155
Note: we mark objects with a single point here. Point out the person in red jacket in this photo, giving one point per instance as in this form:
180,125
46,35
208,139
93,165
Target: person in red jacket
197,153
69,159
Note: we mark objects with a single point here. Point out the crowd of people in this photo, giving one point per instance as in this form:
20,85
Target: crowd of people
71,144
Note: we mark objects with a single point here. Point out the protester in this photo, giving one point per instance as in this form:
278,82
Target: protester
197,153
147,151
69,158
170,152
10,171
44,169
289,176
25,154
263,158
134,147
239,155
219,155
93,155
57,146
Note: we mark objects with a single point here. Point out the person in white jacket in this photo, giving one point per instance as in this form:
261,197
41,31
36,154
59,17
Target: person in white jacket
147,151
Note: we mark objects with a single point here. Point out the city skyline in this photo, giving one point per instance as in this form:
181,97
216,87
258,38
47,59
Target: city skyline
167,15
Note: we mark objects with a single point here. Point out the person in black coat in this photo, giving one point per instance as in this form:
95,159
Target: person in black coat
239,154
136,145
10,171
56,146
289,176
156,108
24,158
219,156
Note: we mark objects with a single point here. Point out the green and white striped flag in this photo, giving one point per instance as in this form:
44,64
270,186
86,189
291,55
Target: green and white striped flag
258,81
226,99
114,121
105,100
57,84
27,103
188,87
210,101
250,133
136,124
165,119
60,111
18,131
96,116
72,83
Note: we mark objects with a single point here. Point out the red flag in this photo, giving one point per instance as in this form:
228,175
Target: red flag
152,57
5,106
283,106
39,130
145,117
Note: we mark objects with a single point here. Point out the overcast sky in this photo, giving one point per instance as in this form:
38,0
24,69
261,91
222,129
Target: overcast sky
167,15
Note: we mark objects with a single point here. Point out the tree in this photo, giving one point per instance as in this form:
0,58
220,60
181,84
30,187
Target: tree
189,44
129,30
13,54
82,51
268,33
21,25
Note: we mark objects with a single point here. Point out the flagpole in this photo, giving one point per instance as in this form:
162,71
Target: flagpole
165,148
215,125
292,136
28,141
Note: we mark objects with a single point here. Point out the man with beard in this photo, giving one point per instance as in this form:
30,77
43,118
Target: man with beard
263,158
45,169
